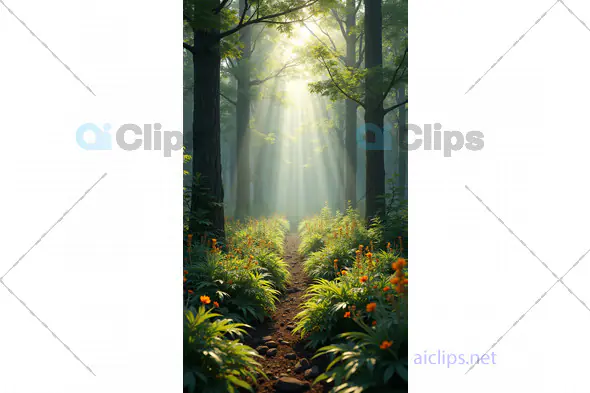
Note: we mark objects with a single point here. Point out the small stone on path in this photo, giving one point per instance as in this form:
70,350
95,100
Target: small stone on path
291,385
312,372
302,365
262,349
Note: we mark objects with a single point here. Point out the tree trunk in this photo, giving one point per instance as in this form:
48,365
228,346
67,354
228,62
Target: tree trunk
403,143
351,106
375,171
243,122
206,129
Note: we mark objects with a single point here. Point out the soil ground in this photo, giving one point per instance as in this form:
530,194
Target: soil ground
279,327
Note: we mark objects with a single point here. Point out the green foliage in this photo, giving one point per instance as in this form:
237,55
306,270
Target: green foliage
244,277
324,311
374,359
328,237
214,359
311,243
243,291
342,81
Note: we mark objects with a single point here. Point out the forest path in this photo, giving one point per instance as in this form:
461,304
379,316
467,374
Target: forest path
286,362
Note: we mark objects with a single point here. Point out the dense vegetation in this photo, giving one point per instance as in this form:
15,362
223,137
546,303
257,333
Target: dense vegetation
294,109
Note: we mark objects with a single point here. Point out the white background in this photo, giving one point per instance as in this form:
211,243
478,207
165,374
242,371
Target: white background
471,279
106,280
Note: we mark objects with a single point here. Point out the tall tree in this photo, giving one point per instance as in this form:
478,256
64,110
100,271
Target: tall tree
212,24
374,112
243,119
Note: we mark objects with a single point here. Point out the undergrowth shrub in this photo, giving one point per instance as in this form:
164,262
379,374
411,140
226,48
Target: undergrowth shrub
214,359
340,235
246,276
358,292
243,291
373,359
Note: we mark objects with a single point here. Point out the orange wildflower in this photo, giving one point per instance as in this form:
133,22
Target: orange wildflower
344,272
347,314
386,289
386,344
374,323
190,291
371,307
216,304
205,299
394,280
185,272
364,279
184,279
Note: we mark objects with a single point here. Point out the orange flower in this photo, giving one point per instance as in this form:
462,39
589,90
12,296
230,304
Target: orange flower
374,323
394,280
190,241
353,307
216,304
184,279
399,288
344,272
371,307
190,291
374,286
386,289
405,281
230,282
205,299
185,272
386,344
364,279
347,314
369,255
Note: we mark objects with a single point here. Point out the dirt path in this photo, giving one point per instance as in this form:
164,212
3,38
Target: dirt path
284,353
